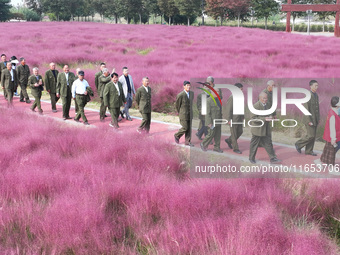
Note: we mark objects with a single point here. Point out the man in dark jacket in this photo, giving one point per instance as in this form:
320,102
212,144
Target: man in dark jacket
143,99
311,121
236,129
23,72
214,111
114,98
184,108
36,83
64,84
9,81
261,132
51,85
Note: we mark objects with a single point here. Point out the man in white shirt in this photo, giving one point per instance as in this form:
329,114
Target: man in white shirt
129,91
79,94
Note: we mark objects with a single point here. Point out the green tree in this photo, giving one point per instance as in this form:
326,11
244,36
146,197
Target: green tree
168,8
151,6
189,8
298,14
265,8
35,5
324,15
240,8
5,13
113,9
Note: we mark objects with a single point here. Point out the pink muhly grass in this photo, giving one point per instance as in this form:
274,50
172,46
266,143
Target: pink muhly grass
162,53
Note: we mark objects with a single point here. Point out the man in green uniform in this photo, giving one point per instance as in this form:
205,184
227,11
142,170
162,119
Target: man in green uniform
64,83
236,128
311,121
214,111
36,83
103,80
260,130
9,81
23,72
184,108
50,83
202,129
143,99
114,98
3,65
269,91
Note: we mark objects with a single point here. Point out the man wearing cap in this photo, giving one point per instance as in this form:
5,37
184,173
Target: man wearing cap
311,121
114,98
143,99
214,111
79,94
3,65
129,91
24,72
50,83
184,108
64,83
36,83
9,81
103,80
260,131
235,123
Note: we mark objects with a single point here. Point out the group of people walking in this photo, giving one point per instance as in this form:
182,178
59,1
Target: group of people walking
115,92
261,129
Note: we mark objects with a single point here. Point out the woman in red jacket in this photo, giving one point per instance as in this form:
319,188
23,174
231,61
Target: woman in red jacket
332,133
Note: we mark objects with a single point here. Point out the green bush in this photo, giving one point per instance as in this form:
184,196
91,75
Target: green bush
302,28
31,15
296,27
313,28
331,28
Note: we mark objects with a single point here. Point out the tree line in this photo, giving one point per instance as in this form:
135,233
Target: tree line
170,11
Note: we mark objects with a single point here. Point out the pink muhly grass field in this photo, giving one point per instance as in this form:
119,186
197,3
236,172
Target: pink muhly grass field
170,55
66,190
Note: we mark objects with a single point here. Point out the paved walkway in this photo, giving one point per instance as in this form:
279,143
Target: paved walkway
165,131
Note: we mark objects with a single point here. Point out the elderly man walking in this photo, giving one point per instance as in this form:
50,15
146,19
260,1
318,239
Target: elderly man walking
79,93
261,132
36,83
9,82
114,98
50,84
64,83
143,99
24,73
129,91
